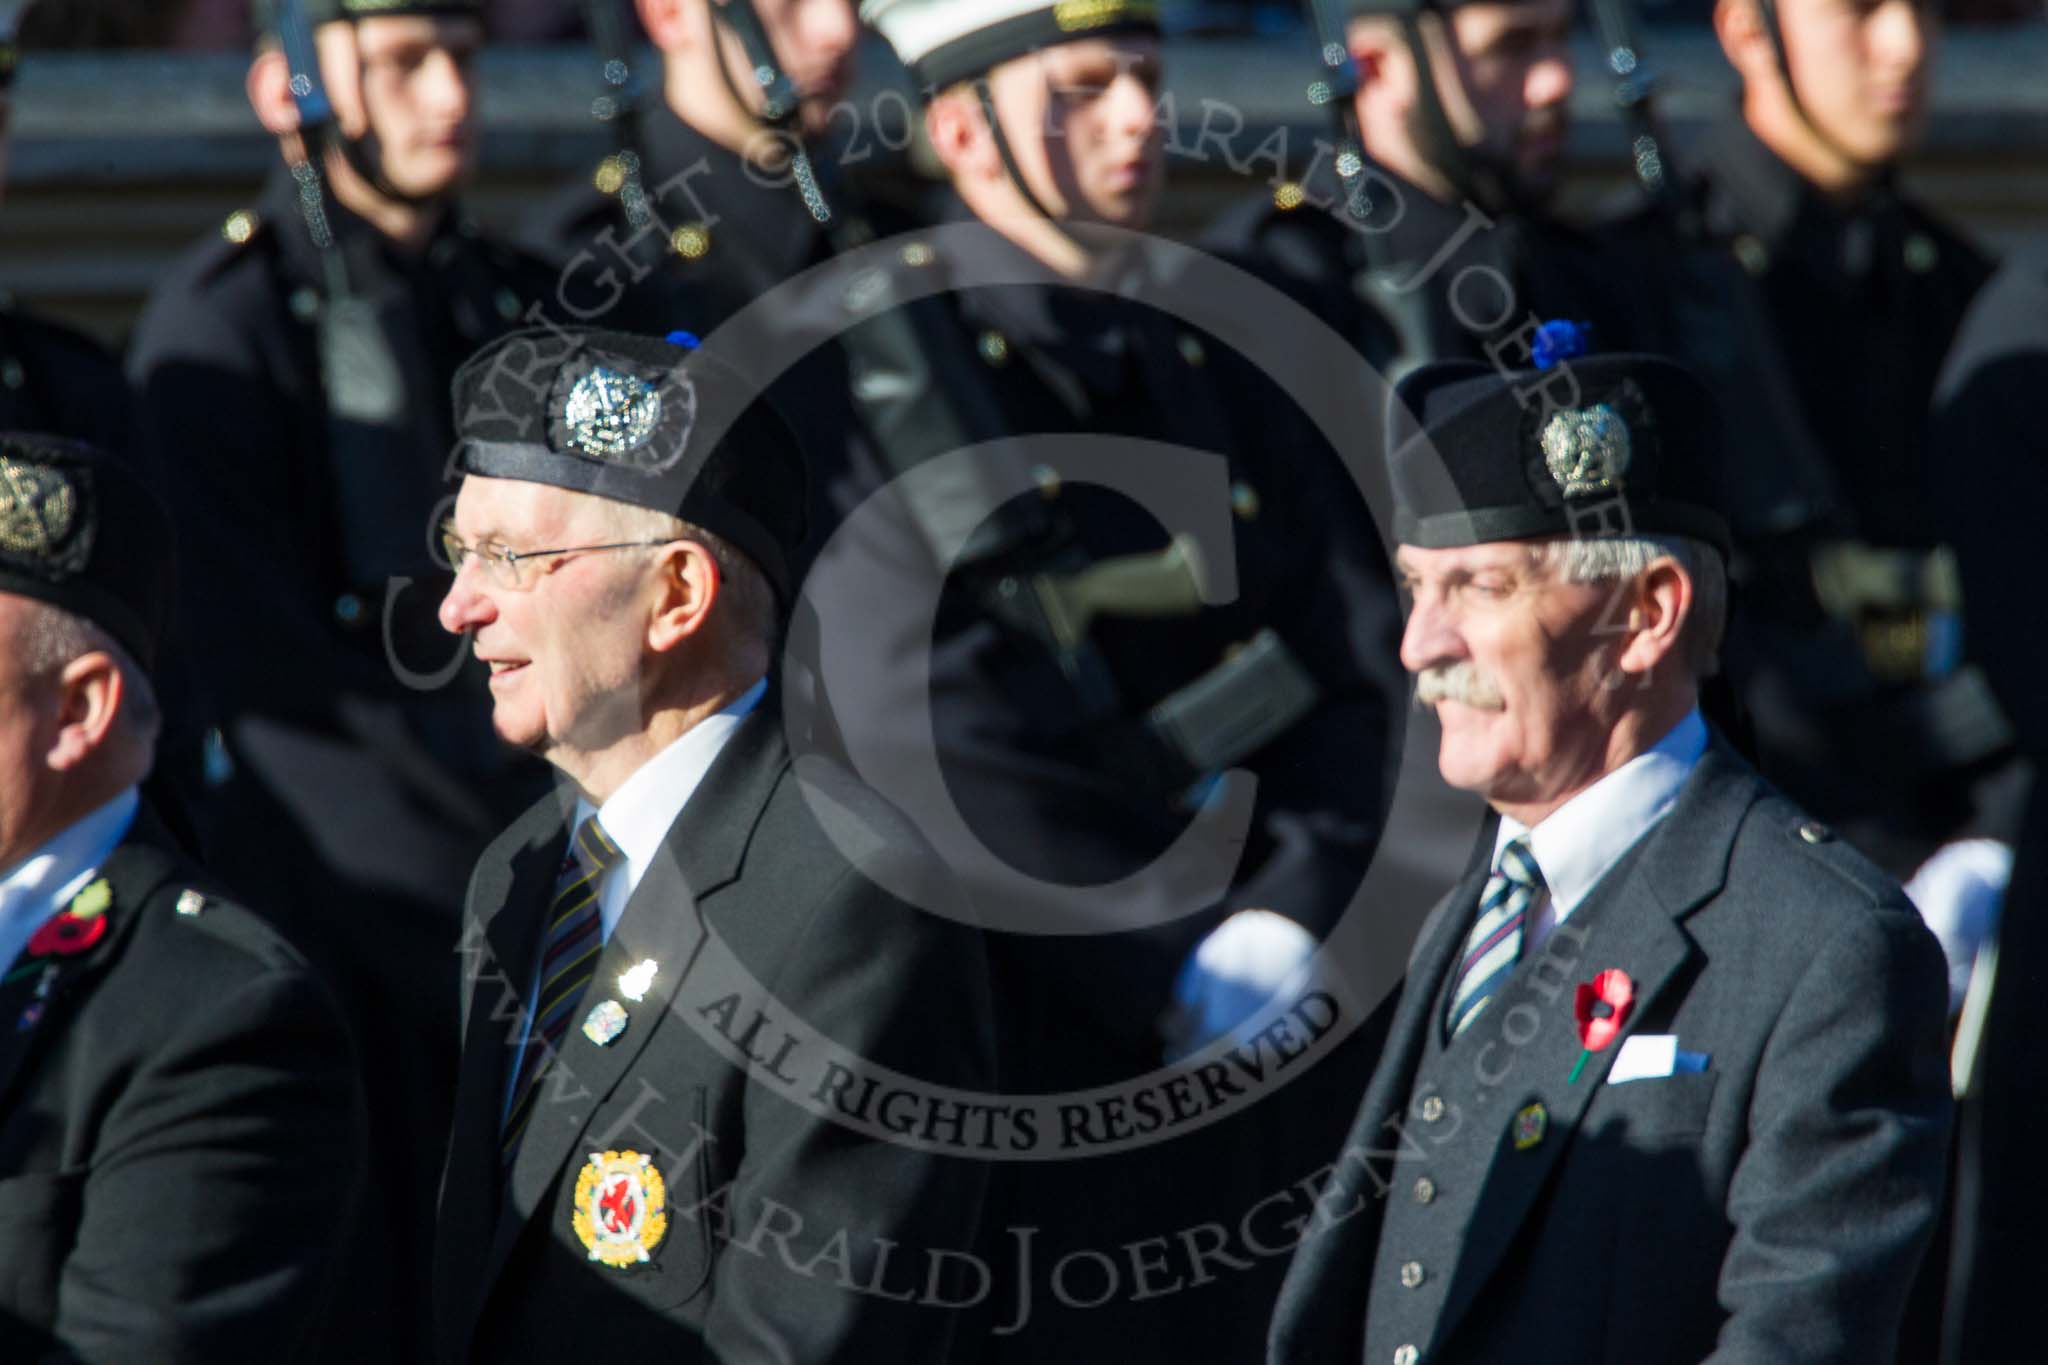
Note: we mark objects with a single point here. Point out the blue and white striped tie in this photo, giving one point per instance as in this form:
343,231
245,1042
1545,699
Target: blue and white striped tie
1495,943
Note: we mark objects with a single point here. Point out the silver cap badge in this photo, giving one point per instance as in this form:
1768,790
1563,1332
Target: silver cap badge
1586,450
611,414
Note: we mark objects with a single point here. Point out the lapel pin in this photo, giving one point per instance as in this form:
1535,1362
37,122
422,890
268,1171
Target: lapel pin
634,981
1531,1123
605,1022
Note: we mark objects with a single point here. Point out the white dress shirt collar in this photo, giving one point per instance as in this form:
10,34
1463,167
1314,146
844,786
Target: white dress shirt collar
640,813
41,884
1580,840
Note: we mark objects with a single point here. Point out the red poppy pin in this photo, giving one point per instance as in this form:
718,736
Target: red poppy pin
77,927
1601,1008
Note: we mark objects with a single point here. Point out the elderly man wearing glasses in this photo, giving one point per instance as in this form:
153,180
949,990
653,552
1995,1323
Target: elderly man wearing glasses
671,959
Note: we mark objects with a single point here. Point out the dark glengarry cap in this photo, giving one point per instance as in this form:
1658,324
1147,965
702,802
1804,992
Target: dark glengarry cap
318,12
630,418
944,42
1610,444
80,531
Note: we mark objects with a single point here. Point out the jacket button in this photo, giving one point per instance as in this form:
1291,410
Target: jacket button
1412,1275
1406,1355
1432,1109
1425,1190
1815,833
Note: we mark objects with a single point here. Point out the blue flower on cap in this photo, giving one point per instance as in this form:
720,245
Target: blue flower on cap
1559,341
689,341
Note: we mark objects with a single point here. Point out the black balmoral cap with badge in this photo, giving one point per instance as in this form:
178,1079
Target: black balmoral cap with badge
641,420
80,531
944,42
1602,445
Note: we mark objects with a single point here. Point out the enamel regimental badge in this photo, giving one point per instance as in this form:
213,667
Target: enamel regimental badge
621,1209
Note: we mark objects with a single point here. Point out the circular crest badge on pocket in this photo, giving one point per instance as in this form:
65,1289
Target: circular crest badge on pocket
621,1208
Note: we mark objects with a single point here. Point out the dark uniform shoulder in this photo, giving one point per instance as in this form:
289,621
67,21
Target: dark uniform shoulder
193,919
1795,836
1250,226
30,332
216,286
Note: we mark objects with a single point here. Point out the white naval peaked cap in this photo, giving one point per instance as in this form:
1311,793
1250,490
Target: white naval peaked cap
944,42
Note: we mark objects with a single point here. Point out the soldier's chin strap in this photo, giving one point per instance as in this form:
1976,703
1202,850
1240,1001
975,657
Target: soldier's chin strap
986,96
782,102
1472,174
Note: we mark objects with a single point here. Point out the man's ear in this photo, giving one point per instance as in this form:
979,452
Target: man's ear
959,137
270,93
93,693
690,584
1739,24
664,21
1657,614
1371,47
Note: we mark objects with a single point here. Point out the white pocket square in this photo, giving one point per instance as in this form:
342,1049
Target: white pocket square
1652,1056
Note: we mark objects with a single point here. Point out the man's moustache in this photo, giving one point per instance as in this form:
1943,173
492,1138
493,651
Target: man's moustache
1460,682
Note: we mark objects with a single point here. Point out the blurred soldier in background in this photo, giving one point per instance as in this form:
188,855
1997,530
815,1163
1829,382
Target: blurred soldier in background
1992,449
1439,248
293,380
1819,300
1083,797
51,378
181,1141
698,213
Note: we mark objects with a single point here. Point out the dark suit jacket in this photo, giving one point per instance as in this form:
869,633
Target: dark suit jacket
180,1134
1771,1210
773,1211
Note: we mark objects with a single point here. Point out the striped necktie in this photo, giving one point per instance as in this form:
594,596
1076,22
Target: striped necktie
1495,943
568,959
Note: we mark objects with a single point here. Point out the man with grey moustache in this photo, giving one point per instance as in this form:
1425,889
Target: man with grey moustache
1666,1079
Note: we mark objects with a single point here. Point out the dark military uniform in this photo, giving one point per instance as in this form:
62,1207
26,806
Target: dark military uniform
720,234
1068,799
1993,454
60,381
347,801
1823,327
181,1138
1417,280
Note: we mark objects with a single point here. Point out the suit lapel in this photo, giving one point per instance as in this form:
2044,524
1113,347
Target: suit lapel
703,852
133,872
508,899
1632,923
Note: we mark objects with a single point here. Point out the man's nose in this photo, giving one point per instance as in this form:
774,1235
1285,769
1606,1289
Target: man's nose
467,606
448,87
1429,637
